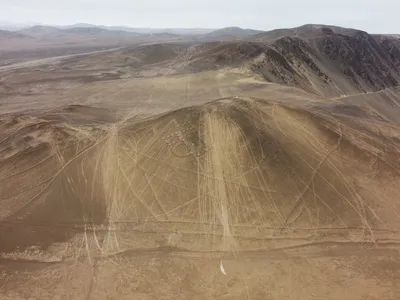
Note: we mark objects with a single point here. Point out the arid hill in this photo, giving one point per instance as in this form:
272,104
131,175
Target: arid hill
230,33
306,31
40,31
5,34
48,32
96,31
227,163
324,62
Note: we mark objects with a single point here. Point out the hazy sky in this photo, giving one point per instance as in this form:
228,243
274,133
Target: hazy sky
370,15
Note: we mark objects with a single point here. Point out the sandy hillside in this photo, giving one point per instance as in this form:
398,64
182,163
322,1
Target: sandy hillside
179,171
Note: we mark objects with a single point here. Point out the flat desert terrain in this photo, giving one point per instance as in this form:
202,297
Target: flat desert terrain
257,169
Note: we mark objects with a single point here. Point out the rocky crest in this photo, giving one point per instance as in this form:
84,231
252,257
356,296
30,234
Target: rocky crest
323,60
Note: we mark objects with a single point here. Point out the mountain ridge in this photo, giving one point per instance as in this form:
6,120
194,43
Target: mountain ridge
319,61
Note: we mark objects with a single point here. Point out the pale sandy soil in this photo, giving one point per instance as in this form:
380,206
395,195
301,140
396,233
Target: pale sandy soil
144,181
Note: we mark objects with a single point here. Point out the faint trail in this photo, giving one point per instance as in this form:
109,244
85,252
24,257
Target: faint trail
339,173
27,190
142,201
261,180
55,176
202,174
221,160
311,167
359,94
312,250
300,199
223,91
40,162
23,125
164,212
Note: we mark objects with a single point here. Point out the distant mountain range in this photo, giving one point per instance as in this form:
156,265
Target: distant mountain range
36,29
9,26
179,31
44,32
41,32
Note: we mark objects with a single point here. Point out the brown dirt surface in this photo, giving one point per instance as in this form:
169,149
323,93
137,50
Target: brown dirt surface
153,172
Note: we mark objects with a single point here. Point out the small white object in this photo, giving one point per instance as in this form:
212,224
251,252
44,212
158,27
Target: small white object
221,266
